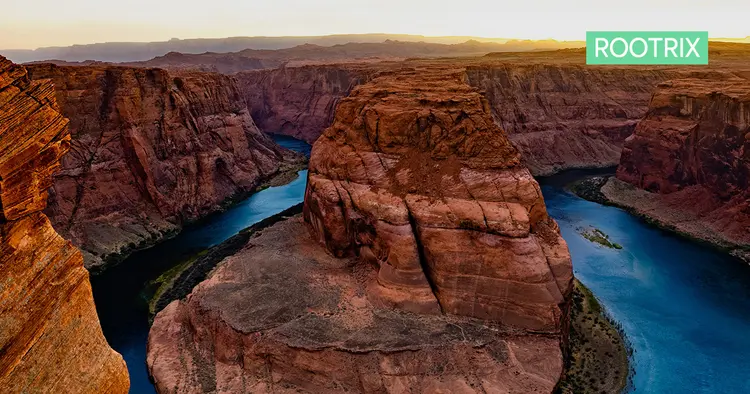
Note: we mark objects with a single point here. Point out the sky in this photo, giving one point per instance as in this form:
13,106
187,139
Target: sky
28,24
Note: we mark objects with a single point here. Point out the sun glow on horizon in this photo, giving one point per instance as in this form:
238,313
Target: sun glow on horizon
55,23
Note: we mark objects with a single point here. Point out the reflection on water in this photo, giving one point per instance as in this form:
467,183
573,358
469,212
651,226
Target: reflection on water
683,306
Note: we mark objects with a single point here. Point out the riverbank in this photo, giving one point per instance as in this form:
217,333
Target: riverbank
287,172
122,293
178,282
674,216
598,352
681,305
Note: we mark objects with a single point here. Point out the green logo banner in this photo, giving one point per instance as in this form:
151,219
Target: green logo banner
647,47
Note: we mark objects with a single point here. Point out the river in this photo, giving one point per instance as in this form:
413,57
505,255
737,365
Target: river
683,306
122,292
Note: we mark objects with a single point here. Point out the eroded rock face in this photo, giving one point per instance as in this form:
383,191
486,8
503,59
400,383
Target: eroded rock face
559,113
415,177
298,101
567,116
150,151
50,336
284,316
692,152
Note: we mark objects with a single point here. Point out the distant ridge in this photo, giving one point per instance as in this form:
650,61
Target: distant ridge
142,51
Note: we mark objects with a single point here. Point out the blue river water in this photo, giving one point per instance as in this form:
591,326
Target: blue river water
683,306
121,293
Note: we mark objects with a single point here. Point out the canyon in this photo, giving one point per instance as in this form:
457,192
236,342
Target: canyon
687,166
558,112
424,258
559,116
50,336
151,151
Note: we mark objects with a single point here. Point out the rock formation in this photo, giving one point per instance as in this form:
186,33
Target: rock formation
692,154
50,336
298,101
283,315
437,267
150,151
415,176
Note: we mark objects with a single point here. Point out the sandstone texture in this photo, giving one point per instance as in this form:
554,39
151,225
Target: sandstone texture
298,101
50,336
284,316
425,261
150,151
558,112
415,177
689,160
567,116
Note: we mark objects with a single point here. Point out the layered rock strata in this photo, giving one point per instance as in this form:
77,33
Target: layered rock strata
558,116
689,160
50,336
436,266
298,101
567,116
150,151
415,177
559,113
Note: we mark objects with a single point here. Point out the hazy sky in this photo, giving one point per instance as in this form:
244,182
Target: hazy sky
31,24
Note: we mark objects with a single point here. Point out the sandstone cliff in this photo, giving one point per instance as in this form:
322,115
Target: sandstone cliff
437,268
559,113
559,116
567,116
150,151
692,154
284,316
50,336
298,101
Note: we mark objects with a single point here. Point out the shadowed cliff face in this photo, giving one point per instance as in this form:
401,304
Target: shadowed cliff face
49,331
566,116
150,151
298,101
692,150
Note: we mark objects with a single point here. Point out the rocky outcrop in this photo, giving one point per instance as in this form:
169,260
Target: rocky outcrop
150,151
436,266
298,101
690,156
282,315
415,176
50,336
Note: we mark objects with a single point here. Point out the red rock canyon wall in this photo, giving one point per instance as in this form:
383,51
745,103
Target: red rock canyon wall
50,336
692,152
150,151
